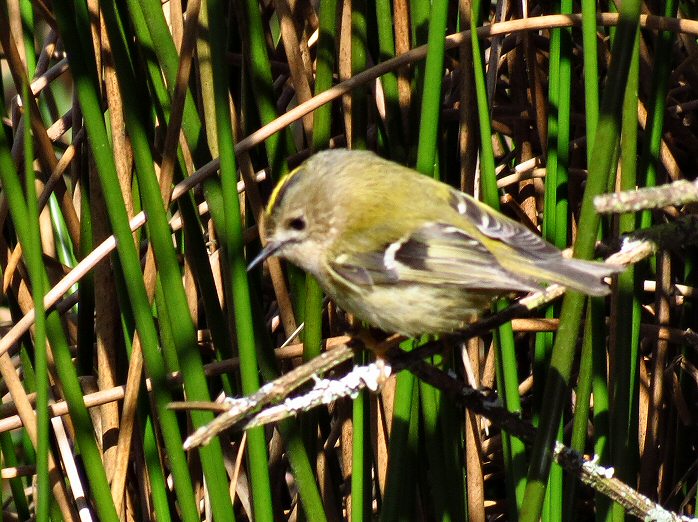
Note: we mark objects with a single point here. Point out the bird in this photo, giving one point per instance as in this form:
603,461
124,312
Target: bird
407,253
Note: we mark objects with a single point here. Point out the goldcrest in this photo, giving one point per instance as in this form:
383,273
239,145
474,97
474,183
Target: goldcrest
404,252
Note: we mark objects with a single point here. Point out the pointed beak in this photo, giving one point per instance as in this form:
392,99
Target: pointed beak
267,251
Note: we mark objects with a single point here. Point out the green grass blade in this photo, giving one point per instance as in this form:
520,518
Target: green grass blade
624,378
32,252
591,72
402,473
430,116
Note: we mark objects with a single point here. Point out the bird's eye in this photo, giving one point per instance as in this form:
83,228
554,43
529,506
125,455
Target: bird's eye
297,223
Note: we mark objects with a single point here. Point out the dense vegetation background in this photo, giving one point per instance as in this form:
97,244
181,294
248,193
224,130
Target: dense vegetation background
171,110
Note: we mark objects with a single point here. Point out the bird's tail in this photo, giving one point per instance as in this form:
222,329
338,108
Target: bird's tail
577,274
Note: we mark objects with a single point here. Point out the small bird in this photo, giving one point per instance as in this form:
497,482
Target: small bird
404,252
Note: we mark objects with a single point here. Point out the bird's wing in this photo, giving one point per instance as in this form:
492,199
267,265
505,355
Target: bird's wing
520,250
434,254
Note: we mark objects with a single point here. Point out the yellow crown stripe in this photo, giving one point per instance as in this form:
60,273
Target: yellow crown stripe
280,188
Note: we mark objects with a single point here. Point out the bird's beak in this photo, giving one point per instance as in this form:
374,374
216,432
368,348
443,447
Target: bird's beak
267,251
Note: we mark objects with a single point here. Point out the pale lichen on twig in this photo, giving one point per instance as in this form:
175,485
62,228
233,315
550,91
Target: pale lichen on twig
679,192
601,479
326,391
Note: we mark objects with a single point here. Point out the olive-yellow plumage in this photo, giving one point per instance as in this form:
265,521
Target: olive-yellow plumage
404,252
